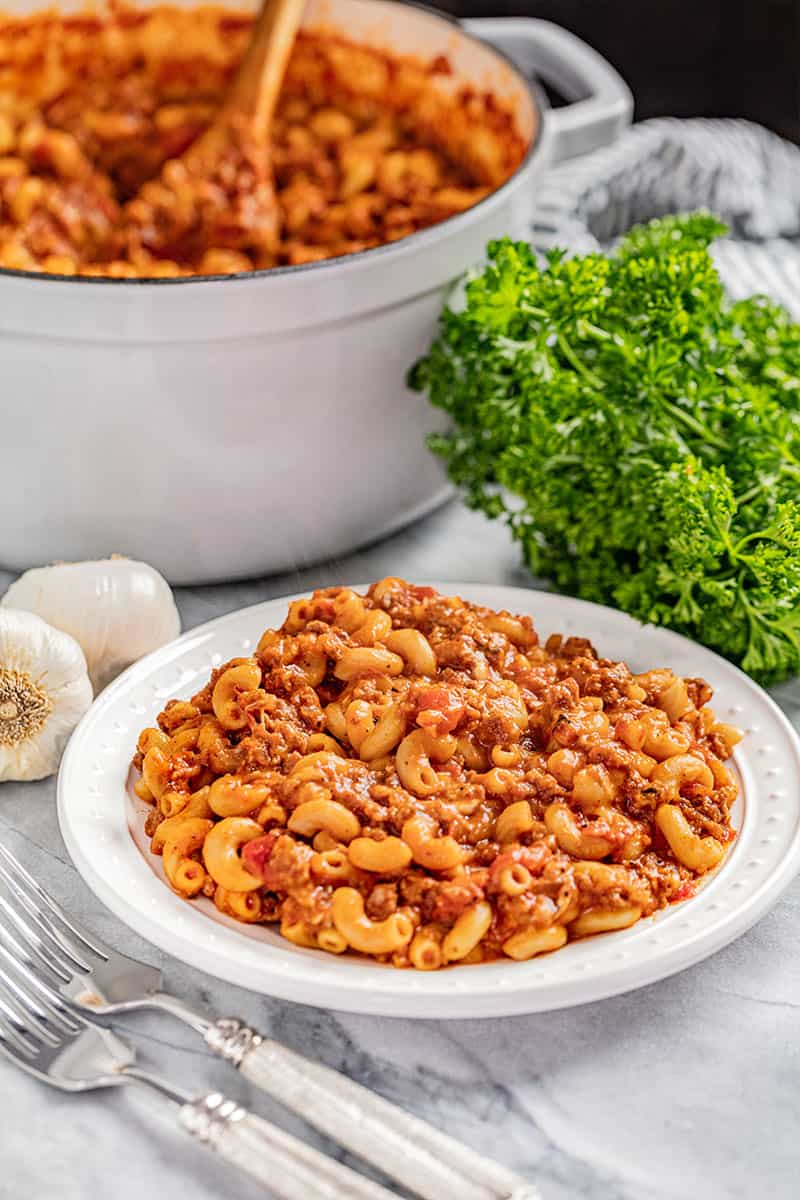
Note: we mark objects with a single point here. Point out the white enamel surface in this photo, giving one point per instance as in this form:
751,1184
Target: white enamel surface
94,815
217,461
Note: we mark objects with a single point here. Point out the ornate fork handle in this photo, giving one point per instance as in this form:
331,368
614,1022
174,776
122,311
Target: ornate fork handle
290,1169
430,1163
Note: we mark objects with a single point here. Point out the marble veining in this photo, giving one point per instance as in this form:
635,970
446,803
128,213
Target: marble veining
688,1087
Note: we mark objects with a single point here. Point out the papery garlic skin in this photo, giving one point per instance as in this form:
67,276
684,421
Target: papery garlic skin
44,692
116,609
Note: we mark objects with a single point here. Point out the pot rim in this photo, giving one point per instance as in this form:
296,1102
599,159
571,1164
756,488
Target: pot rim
458,220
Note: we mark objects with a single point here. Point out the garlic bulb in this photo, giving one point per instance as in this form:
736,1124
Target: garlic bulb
44,692
116,609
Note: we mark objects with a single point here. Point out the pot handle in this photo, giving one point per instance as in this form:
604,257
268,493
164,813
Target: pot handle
601,104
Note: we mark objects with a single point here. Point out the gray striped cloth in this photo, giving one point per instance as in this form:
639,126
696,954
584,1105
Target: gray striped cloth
740,171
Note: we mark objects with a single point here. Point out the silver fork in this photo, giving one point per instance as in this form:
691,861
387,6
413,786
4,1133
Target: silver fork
50,1040
91,975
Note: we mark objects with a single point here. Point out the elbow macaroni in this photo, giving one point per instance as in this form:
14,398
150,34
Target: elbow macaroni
410,800
232,796
221,853
427,848
698,853
467,932
386,857
414,648
514,821
182,842
370,937
313,816
413,760
244,676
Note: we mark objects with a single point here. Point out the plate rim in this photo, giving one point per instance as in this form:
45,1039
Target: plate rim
389,993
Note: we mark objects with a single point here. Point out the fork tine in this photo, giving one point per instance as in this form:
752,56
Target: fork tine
26,880
66,949
28,1019
16,958
51,958
12,1044
13,1033
26,953
50,1024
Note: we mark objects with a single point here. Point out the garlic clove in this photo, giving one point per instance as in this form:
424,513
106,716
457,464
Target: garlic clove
117,609
44,692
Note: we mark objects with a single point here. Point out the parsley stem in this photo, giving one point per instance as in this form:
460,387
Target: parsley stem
575,362
692,423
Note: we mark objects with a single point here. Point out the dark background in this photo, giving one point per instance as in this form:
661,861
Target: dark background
685,57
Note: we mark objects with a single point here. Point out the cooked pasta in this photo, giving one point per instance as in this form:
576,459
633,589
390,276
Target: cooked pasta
96,110
609,802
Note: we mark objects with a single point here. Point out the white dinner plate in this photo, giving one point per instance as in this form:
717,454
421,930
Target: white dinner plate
101,819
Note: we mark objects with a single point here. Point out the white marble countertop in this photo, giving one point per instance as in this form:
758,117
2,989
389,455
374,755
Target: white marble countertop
688,1087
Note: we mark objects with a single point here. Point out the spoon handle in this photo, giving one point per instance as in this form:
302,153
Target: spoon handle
257,85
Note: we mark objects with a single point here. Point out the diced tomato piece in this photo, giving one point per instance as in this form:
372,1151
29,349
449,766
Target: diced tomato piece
433,697
256,854
423,593
442,709
685,892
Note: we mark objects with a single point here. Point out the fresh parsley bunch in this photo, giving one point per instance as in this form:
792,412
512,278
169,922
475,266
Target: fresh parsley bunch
639,434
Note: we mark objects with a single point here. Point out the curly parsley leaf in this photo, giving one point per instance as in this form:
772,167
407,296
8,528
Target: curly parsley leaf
639,435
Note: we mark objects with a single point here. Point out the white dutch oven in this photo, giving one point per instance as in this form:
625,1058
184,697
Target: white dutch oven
225,427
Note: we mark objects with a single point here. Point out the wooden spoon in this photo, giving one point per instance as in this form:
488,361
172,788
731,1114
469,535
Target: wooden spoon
253,95
226,172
